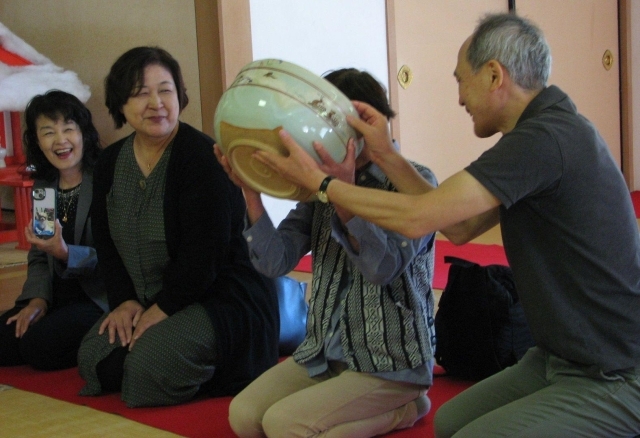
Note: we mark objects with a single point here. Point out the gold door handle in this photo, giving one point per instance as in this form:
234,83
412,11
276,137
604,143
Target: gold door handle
405,76
607,60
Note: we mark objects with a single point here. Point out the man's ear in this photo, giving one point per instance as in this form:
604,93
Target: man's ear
497,73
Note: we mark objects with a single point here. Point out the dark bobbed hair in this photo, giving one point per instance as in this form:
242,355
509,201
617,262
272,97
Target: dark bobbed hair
127,74
58,105
360,85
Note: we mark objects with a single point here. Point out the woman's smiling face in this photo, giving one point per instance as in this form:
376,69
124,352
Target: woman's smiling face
153,107
61,142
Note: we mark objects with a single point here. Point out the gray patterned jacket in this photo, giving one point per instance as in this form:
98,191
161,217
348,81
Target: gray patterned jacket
384,327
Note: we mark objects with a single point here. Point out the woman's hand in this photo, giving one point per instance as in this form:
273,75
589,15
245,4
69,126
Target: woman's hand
55,246
227,168
345,171
252,198
32,313
148,318
120,321
298,167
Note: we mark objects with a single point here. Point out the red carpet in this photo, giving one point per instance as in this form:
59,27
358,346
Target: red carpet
635,199
481,254
474,252
202,418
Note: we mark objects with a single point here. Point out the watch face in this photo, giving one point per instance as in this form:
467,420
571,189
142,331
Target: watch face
322,197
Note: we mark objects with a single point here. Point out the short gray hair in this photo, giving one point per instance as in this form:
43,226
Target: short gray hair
517,44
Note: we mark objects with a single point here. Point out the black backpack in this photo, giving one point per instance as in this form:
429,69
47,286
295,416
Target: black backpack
480,325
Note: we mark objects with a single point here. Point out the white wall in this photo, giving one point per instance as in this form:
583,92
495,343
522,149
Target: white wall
320,35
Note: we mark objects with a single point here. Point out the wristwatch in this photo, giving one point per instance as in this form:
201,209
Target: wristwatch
321,194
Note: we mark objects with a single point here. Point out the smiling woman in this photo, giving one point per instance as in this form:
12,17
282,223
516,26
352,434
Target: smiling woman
63,295
168,227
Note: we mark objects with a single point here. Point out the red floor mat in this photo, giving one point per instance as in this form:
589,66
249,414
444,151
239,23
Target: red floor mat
481,254
202,418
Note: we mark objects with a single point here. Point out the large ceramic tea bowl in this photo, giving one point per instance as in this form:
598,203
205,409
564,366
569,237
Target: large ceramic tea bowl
269,95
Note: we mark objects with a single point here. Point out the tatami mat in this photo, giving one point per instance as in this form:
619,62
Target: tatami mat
10,256
25,414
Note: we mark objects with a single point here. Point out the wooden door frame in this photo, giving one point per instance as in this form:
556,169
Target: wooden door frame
392,62
626,100
223,32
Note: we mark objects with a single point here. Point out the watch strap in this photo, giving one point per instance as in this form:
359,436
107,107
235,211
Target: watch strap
325,183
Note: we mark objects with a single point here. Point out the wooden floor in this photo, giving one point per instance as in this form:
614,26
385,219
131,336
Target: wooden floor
12,273
11,280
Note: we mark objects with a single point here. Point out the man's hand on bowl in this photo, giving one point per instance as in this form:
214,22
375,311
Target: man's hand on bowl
374,127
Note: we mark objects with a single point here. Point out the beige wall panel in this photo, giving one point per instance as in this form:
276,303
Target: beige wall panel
87,36
577,57
432,127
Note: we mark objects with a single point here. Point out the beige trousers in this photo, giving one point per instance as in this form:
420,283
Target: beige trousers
285,402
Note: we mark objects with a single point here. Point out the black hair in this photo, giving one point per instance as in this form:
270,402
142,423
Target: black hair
58,105
360,85
127,74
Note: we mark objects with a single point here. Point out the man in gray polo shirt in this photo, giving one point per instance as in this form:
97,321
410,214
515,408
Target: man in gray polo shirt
569,231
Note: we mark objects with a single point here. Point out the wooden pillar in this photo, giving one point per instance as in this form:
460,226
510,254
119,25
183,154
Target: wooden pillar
626,101
223,29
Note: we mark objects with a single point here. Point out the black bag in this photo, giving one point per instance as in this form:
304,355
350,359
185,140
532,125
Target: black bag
480,325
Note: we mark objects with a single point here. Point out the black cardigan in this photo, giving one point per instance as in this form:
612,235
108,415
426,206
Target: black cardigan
208,258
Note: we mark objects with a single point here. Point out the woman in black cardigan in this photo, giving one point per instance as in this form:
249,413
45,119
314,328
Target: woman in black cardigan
189,314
